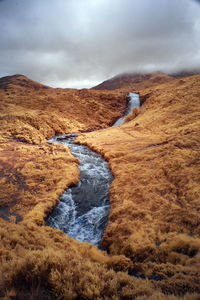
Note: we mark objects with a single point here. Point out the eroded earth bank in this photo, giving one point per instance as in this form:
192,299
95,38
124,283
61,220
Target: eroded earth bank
152,241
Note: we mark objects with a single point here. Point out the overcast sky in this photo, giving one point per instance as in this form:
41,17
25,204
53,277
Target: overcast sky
79,43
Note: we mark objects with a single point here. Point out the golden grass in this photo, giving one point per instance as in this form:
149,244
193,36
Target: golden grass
31,112
40,257
153,228
155,197
34,173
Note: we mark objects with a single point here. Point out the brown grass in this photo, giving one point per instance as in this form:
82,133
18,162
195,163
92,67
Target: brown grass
132,116
154,218
132,82
153,228
30,114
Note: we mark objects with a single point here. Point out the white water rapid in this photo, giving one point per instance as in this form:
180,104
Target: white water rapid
83,210
134,101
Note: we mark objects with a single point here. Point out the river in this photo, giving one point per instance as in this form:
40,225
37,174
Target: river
83,210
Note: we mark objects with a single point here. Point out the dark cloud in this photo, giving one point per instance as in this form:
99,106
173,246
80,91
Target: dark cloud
79,43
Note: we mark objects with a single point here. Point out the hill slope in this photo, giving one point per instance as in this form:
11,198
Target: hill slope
30,114
155,197
133,82
49,111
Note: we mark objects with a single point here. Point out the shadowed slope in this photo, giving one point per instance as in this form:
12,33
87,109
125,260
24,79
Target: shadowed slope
133,82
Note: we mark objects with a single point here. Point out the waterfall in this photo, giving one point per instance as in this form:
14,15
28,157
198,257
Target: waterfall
134,101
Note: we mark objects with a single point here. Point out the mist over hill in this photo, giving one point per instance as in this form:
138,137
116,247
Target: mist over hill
77,44
141,80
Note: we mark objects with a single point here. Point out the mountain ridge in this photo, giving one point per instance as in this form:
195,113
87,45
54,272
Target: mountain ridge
138,81
22,80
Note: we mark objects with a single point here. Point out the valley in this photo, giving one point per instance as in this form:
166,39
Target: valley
152,241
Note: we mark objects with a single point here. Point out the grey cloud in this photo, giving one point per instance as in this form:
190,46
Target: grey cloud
64,42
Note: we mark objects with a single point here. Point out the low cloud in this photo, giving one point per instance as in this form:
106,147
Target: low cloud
80,43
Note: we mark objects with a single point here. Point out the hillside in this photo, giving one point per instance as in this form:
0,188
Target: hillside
155,197
30,114
133,82
152,242
49,111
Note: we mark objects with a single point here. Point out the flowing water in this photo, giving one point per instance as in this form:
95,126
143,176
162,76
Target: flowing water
83,210
134,101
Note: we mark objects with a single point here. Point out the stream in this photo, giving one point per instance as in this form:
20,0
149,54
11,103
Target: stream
83,210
